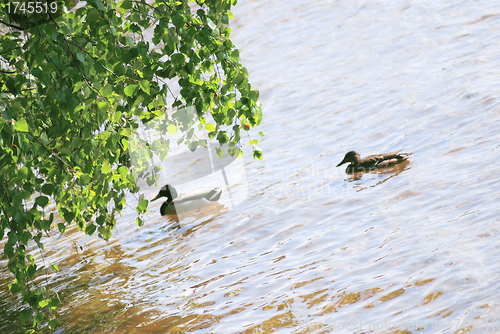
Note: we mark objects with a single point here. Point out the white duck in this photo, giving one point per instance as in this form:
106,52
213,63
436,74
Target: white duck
191,201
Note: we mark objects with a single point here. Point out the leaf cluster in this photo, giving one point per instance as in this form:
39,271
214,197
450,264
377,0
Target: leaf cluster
72,92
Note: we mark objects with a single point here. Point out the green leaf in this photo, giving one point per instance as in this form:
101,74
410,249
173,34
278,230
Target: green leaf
55,268
257,154
44,139
130,90
144,86
42,201
48,189
193,145
15,288
53,323
38,319
210,127
235,55
92,15
107,90
126,4
219,151
211,24
123,170
222,137
237,152
177,59
78,86
25,315
261,133
178,21
21,125
254,95
61,227
31,271
90,229
172,129
105,169
80,57
13,237
26,237
100,5
69,216
84,179
134,17
102,105
143,205
23,173
54,301
50,28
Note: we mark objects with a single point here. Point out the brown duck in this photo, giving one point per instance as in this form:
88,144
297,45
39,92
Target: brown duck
372,162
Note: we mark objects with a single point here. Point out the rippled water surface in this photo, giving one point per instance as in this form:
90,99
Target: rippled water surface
312,249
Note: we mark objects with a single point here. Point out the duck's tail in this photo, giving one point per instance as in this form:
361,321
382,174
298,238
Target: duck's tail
214,195
404,156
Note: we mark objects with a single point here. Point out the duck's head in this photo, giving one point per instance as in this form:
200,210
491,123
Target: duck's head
167,191
352,157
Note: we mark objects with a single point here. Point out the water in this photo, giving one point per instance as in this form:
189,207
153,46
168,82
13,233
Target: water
313,249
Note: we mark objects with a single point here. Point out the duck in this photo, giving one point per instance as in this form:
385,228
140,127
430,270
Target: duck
372,162
191,201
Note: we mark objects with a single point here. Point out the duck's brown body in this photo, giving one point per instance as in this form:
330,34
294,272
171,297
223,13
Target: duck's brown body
372,162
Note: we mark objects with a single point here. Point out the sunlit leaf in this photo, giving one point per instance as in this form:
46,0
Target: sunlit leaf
21,125
144,84
172,129
130,90
210,23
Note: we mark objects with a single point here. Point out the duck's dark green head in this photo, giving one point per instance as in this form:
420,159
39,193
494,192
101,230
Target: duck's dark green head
352,157
167,191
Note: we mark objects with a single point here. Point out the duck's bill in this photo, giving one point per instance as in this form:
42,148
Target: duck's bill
157,196
340,164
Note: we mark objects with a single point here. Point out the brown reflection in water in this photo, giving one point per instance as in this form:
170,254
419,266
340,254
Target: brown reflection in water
396,169
174,324
315,297
424,282
300,284
430,297
392,295
213,210
99,297
99,302
276,322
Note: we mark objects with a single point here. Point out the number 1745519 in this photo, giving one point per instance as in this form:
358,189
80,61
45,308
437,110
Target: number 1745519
31,7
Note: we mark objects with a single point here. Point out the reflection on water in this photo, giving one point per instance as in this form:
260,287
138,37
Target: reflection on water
312,249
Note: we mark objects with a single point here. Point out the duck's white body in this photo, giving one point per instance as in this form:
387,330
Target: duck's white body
175,205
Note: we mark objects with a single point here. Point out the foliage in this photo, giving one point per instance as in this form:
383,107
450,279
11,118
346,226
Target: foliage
72,91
